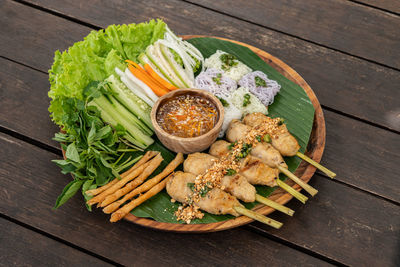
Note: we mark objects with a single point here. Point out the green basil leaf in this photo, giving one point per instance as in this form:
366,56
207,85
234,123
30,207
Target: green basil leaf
104,132
72,153
68,192
66,167
92,134
87,186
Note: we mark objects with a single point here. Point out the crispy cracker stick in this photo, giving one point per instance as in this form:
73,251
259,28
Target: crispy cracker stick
146,157
119,214
147,185
135,183
117,185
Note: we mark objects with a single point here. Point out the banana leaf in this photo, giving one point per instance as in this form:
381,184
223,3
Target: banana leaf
292,104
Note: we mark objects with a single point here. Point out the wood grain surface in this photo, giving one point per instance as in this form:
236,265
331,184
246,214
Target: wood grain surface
38,250
387,5
30,184
310,20
340,228
355,220
347,84
343,132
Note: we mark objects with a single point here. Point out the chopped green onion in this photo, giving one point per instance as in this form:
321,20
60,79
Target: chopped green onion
246,100
232,145
191,186
267,138
260,82
223,102
230,172
228,61
203,192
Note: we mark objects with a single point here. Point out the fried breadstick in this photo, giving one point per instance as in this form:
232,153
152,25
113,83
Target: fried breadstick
146,157
147,185
118,185
119,214
135,183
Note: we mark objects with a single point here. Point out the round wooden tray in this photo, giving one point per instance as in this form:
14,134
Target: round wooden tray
315,150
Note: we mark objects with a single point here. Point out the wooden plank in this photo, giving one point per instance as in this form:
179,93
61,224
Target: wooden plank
24,102
30,185
362,89
362,155
343,224
23,247
27,35
389,5
342,25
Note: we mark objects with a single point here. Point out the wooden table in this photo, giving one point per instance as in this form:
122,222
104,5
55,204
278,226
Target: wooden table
348,51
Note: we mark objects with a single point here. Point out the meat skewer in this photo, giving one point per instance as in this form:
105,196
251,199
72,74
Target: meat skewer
255,171
216,201
235,184
284,142
266,152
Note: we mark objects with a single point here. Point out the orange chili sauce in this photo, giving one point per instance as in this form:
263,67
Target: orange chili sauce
187,116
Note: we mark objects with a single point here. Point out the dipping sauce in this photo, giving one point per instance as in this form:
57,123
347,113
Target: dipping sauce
187,116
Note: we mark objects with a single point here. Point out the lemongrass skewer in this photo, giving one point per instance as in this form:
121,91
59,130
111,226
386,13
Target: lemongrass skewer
274,205
311,190
302,198
258,217
330,173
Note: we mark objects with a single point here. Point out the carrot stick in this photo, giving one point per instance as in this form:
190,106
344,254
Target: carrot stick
143,77
119,214
147,185
144,72
135,183
158,78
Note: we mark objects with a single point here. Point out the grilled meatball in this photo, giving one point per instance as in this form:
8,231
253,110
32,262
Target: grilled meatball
268,154
237,185
285,143
236,131
198,163
254,170
215,202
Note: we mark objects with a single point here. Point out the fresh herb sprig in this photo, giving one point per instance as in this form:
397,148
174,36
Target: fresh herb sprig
95,152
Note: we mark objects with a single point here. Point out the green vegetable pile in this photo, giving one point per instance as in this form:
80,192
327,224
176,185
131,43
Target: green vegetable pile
94,59
102,121
94,151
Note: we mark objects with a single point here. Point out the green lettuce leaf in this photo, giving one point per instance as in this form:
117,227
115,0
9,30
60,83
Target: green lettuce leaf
95,58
